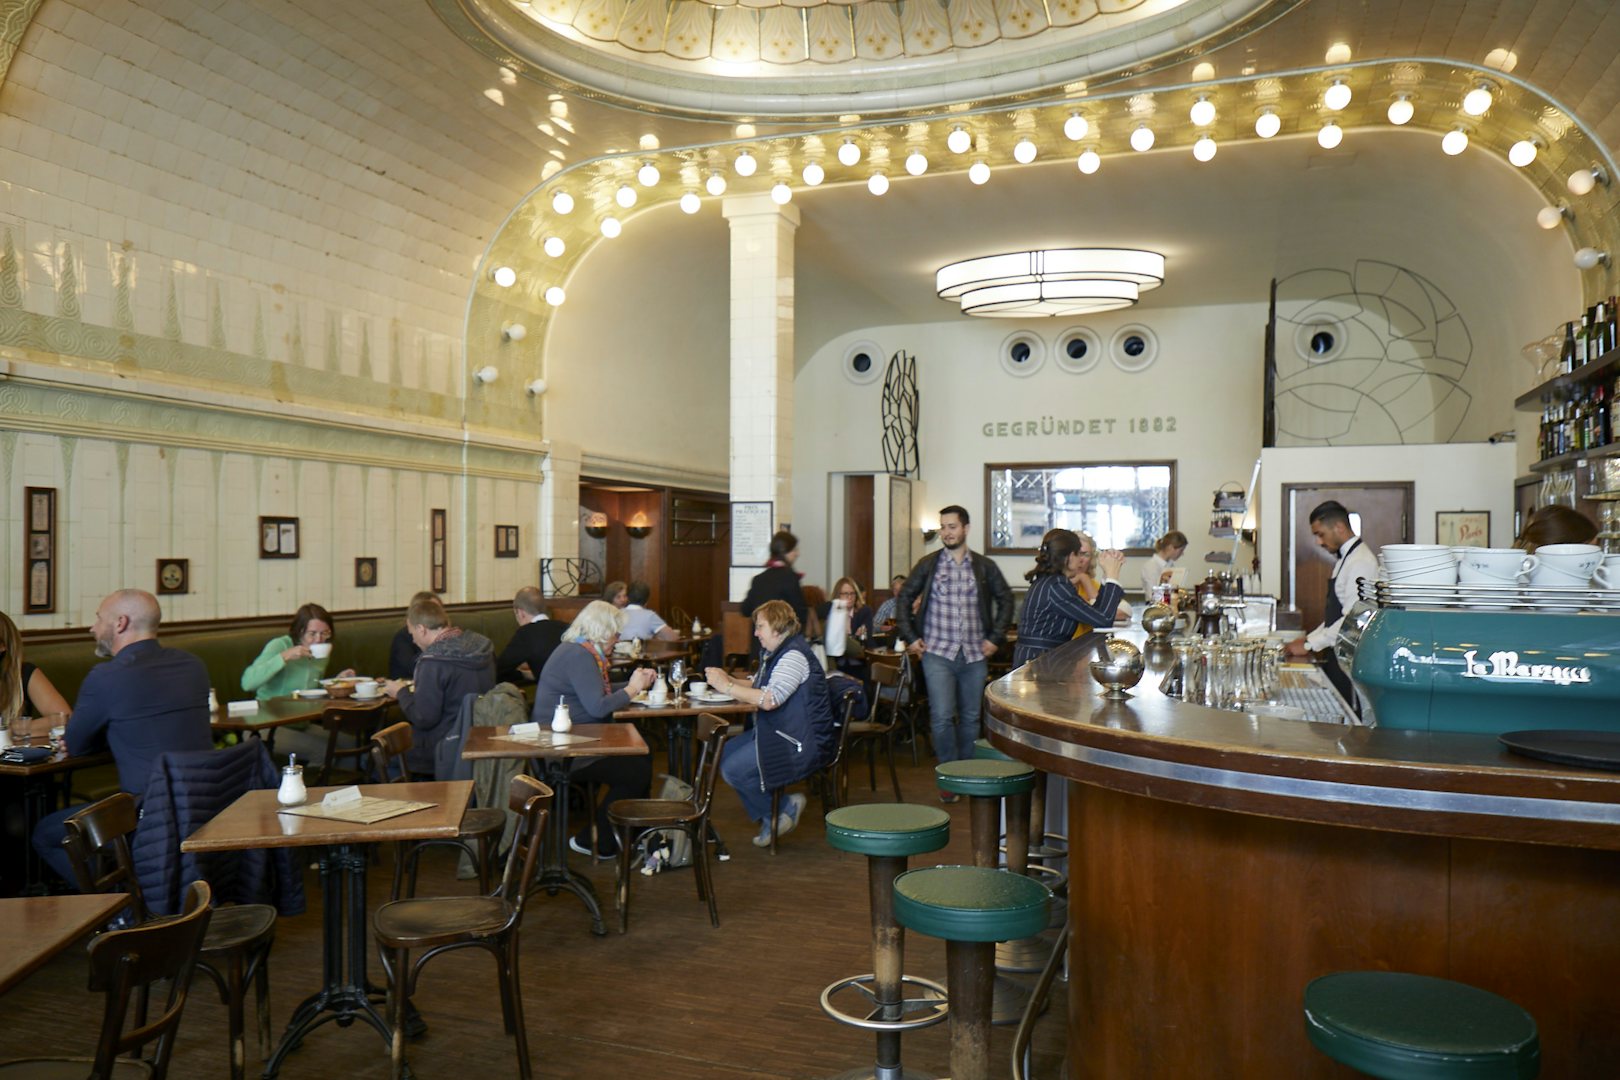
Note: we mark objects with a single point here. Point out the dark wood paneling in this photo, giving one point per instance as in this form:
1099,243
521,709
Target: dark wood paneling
859,522
1386,518
696,575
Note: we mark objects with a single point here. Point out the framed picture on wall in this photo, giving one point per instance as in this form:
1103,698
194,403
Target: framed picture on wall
1463,528
440,557
173,577
39,550
365,572
278,538
506,541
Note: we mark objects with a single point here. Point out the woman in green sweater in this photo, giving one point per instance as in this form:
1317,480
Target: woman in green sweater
296,660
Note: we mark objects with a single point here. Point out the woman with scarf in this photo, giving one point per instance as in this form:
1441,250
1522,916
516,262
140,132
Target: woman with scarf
778,581
1054,608
577,673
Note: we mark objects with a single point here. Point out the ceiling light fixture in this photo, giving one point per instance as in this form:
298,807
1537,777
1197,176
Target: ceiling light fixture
1454,141
715,184
1582,181
1142,138
959,141
1202,112
1337,95
1090,161
1588,258
1401,110
877,183
1477,102
1076,127
744,163
849,154
1024,152
611,227
562,202
978,172
625,196
1550,217
690,203
486,375
781,194
504,276
535,387
916,163
1204,148
1523,152
1063,281
1329,135
555,296
554,246
647,174
1268,123
514,331
814,174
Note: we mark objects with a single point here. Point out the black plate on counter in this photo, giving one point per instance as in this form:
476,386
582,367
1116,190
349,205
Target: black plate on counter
1590,749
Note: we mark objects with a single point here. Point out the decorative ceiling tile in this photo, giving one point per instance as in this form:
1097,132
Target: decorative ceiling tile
832,38
925,28
691,25
1019,18
736,35
643,26
973,22
1071,12
561,11
781,36
757,3
599,19
877,32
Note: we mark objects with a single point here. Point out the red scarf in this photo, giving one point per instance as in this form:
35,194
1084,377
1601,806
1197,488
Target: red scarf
601,665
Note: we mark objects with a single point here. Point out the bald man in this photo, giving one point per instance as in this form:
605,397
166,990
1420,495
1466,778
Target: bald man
145,701
536,638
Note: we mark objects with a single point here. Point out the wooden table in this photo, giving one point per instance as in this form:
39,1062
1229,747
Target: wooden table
40,785
35,928
679,714
552,763
252,822
280,711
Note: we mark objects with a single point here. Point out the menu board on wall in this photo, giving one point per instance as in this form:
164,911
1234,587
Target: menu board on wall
752,524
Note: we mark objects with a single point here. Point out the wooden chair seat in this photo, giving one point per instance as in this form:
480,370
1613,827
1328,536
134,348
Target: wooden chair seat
239,926
481,827
648,813
480,822
435,920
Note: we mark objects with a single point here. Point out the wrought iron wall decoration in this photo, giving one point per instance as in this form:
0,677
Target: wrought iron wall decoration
569,577
900,410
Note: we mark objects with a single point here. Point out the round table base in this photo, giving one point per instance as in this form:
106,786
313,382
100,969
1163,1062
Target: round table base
870,1072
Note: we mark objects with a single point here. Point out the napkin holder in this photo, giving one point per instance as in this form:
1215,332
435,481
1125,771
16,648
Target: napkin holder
528,730
341,798
242,708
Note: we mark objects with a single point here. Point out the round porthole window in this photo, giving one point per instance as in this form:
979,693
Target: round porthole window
1078,350
1134,348
1022,353
1319,341
863,362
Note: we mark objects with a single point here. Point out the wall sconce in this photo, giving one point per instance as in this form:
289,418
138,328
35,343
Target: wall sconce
535,387
596,524
930,530
637,526
486,375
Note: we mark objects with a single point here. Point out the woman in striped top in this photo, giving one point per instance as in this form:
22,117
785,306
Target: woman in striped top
1054,610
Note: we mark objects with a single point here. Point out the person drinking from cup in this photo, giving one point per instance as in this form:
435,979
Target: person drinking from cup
1330,524
296,661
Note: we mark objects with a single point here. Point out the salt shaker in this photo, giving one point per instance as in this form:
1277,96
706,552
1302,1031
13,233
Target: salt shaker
292,792
561,720
697,626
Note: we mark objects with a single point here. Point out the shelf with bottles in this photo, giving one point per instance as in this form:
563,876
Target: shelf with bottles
1590,354
1584,424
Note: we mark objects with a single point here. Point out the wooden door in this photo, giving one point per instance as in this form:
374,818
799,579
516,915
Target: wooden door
859,495
1385,517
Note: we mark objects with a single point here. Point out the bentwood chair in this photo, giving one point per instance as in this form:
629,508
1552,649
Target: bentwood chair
876,732
441,924
481,826
123,962
236,949
351,725
824,781
691,815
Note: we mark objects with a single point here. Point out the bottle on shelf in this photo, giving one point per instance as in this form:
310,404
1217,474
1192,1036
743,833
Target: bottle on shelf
1600,330
1583,339
1566,358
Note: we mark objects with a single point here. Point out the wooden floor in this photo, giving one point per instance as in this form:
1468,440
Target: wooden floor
674,998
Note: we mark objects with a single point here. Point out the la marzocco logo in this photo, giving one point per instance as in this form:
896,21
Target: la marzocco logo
1505,665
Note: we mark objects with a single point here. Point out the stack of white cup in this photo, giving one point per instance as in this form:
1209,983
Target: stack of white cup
1419,564
1490,566
1569,566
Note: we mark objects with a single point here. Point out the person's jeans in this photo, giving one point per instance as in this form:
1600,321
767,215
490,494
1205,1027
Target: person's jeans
47,841
955,692
739,767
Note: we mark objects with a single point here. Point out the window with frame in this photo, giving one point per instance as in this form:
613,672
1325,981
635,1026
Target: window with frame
1124,504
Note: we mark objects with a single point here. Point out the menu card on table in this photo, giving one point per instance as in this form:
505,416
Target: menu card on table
536,735
348,804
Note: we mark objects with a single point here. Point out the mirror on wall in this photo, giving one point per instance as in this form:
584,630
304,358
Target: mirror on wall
1125,504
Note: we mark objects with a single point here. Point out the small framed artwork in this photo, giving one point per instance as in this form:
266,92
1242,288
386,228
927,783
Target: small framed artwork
278,538
441,557
365,572
506,541
1463,528
39,548
173,577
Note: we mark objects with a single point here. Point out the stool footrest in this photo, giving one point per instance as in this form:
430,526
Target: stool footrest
930,1008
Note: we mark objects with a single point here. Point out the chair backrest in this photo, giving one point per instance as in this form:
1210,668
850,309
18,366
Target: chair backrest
355,721
530,800
711,732
97,843
122,961
843,726
388,749
890,678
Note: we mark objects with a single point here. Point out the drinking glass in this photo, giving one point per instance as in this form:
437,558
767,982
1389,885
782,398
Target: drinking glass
677,678
22,730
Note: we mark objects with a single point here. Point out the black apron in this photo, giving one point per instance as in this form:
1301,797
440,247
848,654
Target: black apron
1332,612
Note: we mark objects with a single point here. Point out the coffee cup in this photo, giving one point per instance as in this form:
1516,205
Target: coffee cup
367,688
1607,575
321,650
1562,564
698,688
1490,566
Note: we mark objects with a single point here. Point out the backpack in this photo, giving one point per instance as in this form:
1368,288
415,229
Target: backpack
671,846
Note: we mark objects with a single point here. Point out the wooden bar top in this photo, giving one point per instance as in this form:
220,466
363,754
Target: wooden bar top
252,820
606,740
1054,715
35,928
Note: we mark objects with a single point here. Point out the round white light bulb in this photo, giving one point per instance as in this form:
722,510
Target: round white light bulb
1267,124
1522,153
1581,181
514,331
562,202
1477,101
978,172
1076,127
625,196
849,153
1401,110
916,163
1549,217
745,163
1454,141
1142,138
647,174
1090,161
1203,112
505,276
781,194
611,227
1024,152
1336,96
877,183
814,174
555,296
554,246
715,184
1589,258
959,141
1204,148
690,203
1329,135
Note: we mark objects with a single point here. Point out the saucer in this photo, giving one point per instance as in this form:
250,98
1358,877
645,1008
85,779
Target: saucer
369,697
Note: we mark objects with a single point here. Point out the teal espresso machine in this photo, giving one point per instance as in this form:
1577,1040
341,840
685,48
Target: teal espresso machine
1446,665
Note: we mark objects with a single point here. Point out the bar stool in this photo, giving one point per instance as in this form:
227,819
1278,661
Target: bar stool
887,834
1043,846
1415,1027
971,908
1029,955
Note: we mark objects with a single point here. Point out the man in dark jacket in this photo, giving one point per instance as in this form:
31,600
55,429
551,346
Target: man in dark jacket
453,664
964,608
537,636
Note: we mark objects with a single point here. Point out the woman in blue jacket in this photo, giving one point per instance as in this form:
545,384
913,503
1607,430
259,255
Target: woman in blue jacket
793,733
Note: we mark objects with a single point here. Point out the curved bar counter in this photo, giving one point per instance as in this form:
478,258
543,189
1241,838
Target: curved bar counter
1222,860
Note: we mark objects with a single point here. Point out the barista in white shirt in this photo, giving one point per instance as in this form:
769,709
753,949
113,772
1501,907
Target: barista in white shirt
1156,571
1330,524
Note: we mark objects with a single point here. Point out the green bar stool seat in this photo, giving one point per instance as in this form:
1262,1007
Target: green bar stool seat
1416,1027
887,834
971,908
982,749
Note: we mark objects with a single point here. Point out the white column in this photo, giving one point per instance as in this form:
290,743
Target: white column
761,357
559,502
